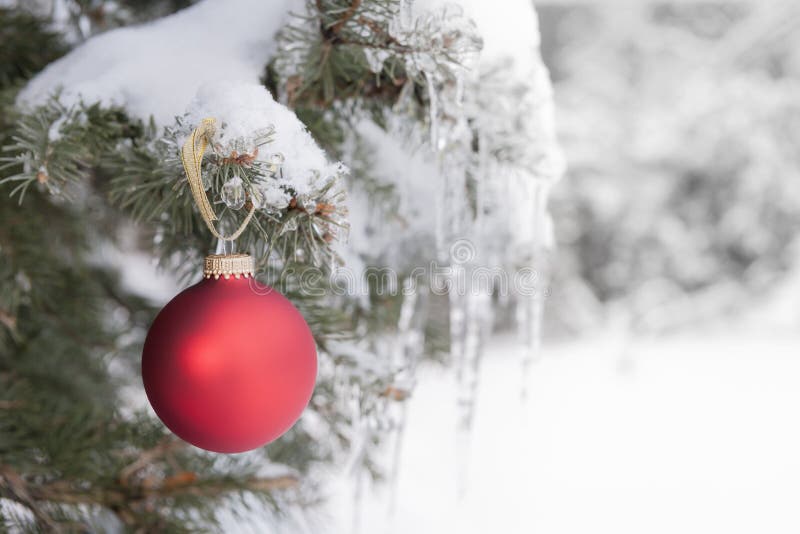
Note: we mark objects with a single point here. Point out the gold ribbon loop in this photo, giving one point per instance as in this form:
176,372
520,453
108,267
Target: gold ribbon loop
192,158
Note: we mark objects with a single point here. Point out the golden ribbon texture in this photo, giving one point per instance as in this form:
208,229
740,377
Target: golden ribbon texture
192,158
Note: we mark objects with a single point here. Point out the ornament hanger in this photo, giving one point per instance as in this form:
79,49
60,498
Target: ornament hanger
192,158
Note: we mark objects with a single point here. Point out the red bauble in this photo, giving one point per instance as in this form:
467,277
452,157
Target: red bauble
229,365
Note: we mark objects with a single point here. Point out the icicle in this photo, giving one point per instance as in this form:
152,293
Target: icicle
405,14
468,306
532,305
483,178
459,92
474,321
84,27
233,193
433,111
457,324
473,340
476,328
409,348
358,437
444,194
532,317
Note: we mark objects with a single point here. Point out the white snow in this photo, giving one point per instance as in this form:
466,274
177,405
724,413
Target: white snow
204,61
54,133
155,69
242,109
691,434
413,175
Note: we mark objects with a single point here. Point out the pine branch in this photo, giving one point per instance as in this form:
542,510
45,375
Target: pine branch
13,487
354,5
180,485
332,64
57,147
28,45
128,502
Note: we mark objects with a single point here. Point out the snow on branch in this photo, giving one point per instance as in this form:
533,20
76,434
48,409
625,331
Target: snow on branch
155,69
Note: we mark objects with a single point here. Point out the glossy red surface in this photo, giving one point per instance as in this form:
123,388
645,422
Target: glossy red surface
229,367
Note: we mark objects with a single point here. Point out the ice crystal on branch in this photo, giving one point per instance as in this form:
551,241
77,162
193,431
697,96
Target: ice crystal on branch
323,51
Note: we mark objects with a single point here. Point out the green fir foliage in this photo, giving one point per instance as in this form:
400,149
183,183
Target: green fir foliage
73,457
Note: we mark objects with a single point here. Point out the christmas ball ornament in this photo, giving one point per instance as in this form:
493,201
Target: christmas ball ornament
229,365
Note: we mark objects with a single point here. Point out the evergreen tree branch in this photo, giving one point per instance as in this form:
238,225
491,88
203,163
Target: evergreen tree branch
354,5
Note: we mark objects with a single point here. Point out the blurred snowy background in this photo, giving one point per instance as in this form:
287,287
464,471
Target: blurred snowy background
666,395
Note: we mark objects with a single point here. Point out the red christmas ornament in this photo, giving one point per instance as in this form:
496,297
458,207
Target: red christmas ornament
229,365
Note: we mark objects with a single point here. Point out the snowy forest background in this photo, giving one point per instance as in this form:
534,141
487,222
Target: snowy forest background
664,394
667,392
